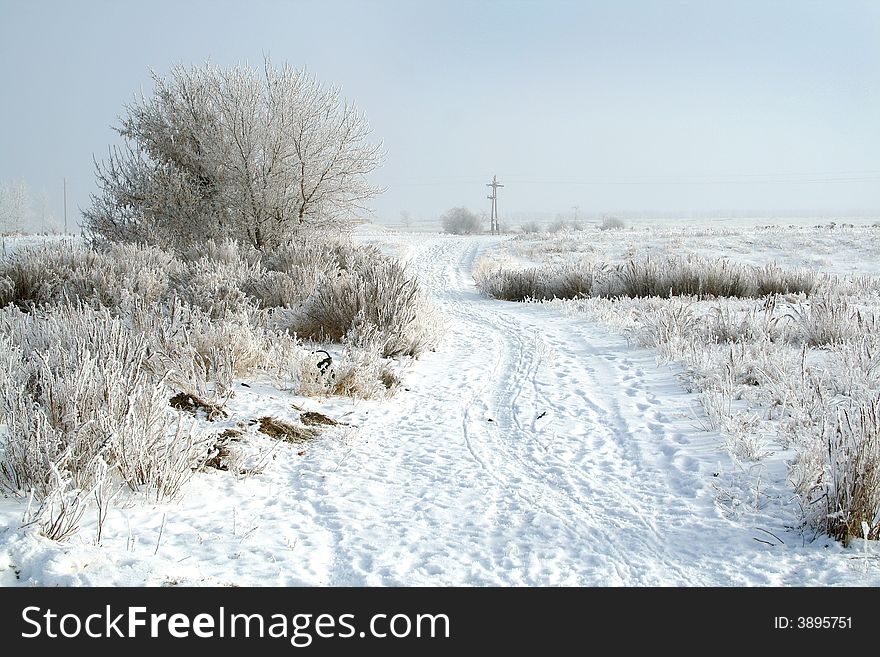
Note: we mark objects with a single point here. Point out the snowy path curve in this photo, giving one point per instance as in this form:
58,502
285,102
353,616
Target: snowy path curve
531,449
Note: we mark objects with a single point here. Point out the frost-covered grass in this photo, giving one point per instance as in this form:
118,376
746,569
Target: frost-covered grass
314,288
95,343
786,357
641,277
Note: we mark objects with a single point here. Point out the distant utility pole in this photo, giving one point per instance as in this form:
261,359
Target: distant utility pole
65,205
575,208
493,216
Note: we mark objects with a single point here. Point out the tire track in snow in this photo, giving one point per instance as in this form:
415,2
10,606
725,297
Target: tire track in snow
555,494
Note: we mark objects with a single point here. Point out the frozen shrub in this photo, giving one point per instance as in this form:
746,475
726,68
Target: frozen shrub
722,278
382,295
360,373
217,286
665,323
189,349
295,270
460,221
722,325
511,284
612,223
58,272
827,320
95,342
237,347
351,257
332,308
35,273
569,281
140,273
774,280
640,278
7,290
275,289
678,277
226,251
648,278
83,398
560,225
725,324
316,256
328,282
849,485
854,366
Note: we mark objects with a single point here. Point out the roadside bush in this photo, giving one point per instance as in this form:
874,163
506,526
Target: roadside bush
332,285
846,483
612,223
510,284
58,272
641,278
81,405
460,221
382,302
568,281
218,287
828,319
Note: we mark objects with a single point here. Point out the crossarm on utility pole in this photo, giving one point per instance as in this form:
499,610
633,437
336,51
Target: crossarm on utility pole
493,217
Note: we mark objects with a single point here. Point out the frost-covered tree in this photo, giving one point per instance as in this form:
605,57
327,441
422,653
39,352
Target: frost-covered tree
460,221
16,206
254,155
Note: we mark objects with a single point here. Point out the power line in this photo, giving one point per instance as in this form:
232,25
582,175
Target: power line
790,174
754,179
719,181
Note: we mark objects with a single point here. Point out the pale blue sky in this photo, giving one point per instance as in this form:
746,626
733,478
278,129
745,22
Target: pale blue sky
611,106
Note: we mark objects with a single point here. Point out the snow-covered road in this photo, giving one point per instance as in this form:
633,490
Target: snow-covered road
536,449
531,448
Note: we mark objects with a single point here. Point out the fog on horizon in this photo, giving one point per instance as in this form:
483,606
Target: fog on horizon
697,108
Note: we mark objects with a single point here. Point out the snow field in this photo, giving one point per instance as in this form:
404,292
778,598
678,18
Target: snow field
531,448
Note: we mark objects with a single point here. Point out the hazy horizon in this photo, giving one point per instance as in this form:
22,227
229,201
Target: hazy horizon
691,108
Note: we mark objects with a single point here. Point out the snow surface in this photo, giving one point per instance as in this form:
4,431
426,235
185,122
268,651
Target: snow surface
532,448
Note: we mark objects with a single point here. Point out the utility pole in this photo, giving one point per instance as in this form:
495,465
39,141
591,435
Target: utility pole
575,208
493,217
65,205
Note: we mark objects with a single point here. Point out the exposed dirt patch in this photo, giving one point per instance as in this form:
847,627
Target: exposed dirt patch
183,401
389,379
218,457
312,418
282,430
